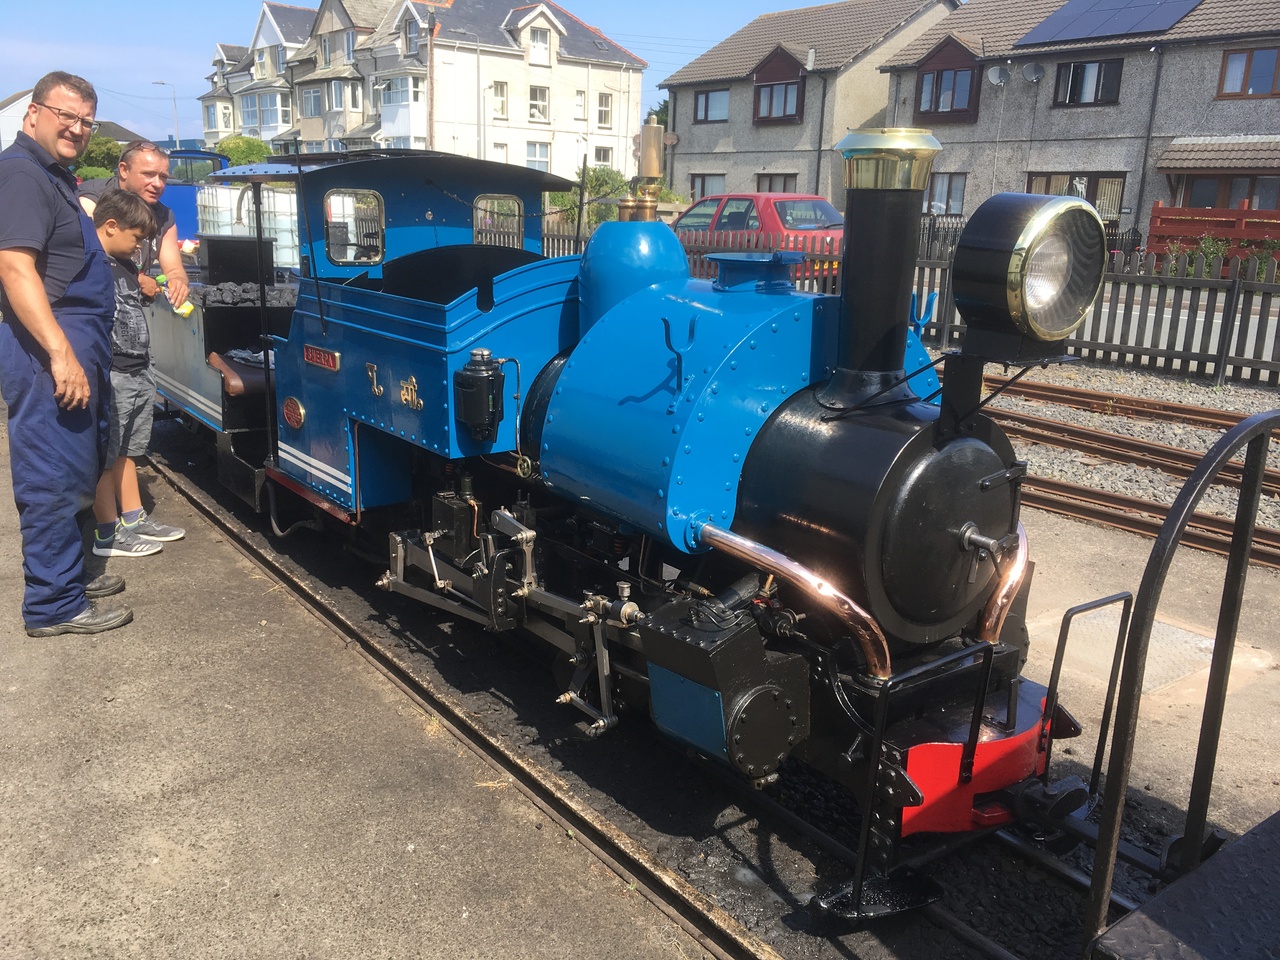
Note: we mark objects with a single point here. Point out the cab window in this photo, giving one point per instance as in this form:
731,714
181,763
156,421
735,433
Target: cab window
498,220
354,227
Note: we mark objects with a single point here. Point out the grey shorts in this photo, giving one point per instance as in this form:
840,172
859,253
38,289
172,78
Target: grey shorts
133,401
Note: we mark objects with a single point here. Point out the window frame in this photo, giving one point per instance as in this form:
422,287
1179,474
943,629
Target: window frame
260,63
326,54
504,214
500,99
246,113
1242,94
765,182
349,46
948,183
410,37
604,111
702,103
698,185
211,116
539,52
1093,185
329,206
282,59
337,95
1066,70
789,87
935,82
530,160
543,116
312,102
603,156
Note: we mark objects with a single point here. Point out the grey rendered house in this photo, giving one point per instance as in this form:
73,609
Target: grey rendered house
761,110
1175,101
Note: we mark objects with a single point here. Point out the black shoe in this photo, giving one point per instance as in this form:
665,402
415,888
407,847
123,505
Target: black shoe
107,585
94,618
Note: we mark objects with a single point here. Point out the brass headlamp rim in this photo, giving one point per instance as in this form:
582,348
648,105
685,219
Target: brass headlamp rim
1036,230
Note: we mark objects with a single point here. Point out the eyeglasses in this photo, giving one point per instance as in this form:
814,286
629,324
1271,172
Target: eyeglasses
69,119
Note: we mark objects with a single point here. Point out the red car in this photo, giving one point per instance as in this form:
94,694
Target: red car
801,221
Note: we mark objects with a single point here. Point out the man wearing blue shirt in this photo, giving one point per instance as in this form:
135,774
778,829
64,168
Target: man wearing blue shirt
57,297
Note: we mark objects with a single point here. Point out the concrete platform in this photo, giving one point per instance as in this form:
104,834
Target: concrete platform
222,778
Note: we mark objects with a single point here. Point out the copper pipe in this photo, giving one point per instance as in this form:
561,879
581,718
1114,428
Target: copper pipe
998,605
865,629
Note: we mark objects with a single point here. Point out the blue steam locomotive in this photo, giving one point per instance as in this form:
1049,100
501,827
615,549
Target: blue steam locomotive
727,502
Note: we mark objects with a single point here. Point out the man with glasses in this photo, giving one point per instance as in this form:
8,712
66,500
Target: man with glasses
58,301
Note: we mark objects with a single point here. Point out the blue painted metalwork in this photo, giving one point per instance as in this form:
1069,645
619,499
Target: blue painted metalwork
656,409
688,711
396,360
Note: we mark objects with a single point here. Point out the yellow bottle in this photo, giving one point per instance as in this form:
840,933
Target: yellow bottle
183,309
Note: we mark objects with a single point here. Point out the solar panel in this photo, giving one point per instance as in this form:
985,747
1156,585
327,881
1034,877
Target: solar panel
1091,19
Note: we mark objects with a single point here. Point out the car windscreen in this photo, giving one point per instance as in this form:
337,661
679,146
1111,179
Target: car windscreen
808,215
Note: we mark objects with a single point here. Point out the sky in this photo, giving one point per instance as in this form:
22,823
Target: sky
142,54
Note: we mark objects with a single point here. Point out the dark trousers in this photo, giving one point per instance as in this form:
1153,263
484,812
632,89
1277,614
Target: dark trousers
55,456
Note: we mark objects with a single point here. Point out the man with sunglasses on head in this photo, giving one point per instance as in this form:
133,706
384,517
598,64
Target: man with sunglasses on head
58,301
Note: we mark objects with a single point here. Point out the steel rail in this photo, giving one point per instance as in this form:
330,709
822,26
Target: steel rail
710,926
1204,532
1119,404
1175,461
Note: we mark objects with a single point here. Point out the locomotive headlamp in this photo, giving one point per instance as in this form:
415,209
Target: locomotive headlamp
1027,270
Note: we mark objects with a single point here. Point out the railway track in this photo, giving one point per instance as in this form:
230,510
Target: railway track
1145,517
1116,404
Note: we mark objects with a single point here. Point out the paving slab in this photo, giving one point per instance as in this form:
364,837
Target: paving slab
224,778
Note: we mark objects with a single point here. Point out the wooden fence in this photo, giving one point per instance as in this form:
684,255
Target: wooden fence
1241,228
1211,319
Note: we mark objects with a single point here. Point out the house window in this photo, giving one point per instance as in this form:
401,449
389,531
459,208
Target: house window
538,156
1250,73
349,46
1103,190
410,37
702,184
397,91
325,57
336,94
312,102
946,194
313,146
1088,83
357,95
604,110
540,47
282,59
500,99
580,104
1228,192
210,117
260,63
269,109
540,104
710,106
778,101
604,156
775,183
249,110
946,92
226,117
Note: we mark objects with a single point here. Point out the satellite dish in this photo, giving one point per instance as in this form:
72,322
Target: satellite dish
1033,72
999,74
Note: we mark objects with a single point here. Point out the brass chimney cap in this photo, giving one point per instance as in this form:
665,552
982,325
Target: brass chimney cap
888,158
